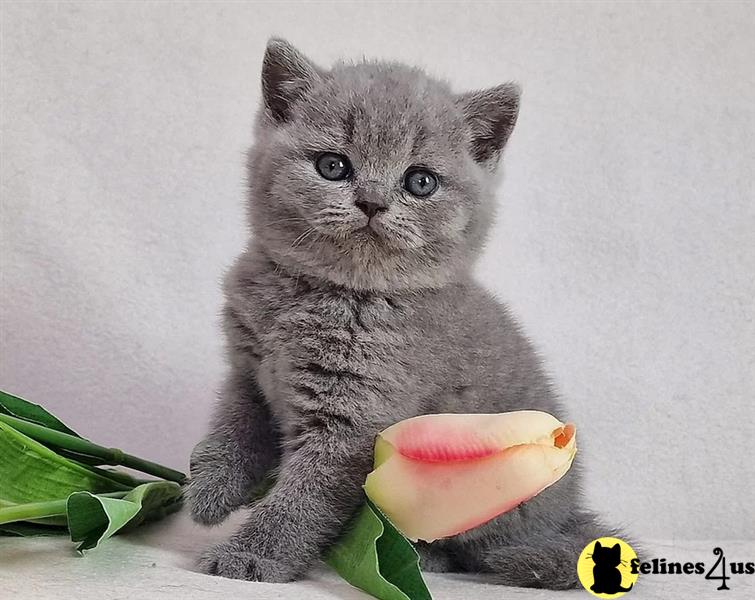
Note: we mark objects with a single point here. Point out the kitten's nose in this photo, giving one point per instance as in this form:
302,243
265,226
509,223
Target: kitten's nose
371,206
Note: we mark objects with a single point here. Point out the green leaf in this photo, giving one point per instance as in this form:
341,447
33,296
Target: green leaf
31,472
50,512
20,408
49,480
93,518
373,556
85,450
30,529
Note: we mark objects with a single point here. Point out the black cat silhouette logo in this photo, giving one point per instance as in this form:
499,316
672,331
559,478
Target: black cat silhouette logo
604,567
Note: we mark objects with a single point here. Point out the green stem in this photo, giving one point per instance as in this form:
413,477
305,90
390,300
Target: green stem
41,510
108,456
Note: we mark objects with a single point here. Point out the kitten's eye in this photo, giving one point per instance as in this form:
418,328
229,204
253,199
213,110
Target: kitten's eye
333,167
420,182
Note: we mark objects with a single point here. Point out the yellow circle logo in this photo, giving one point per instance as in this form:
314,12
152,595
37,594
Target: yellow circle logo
605,567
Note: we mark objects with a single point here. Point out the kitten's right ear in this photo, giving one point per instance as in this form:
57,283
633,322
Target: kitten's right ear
287,75
598,546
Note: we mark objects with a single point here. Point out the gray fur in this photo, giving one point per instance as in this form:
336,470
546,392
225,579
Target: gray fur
336,331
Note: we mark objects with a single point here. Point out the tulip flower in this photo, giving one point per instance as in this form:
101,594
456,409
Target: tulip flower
440,475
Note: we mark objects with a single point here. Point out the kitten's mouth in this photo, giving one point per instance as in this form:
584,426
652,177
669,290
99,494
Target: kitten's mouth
370,228
372,233
385,236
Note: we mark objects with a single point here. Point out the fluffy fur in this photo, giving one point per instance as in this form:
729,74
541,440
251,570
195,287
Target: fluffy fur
338,327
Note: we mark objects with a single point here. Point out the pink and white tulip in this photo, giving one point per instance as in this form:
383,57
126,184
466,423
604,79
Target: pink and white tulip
440,475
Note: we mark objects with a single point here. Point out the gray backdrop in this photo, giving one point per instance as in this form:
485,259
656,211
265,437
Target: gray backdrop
624,240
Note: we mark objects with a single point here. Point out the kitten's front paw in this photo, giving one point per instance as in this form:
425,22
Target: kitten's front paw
206,501
236,562
215,488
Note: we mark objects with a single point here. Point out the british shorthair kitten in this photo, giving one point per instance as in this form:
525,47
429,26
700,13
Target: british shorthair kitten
371,192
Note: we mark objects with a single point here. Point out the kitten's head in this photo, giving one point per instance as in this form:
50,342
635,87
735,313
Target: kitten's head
373,175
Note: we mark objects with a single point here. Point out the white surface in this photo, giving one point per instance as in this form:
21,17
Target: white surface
624,243
157,561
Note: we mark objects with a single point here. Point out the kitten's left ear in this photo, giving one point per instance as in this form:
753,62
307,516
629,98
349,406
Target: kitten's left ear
491,115
287,75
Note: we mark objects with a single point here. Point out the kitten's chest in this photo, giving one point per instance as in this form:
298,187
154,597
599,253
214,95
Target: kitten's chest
331,335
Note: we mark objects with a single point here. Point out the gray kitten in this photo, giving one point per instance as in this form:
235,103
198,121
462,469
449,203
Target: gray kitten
353,307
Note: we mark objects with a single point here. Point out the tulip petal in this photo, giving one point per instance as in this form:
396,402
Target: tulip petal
450,437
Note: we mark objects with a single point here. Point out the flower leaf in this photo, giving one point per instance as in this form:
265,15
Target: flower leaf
93,518
49,480
374,557
22,409
31,472
22,529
